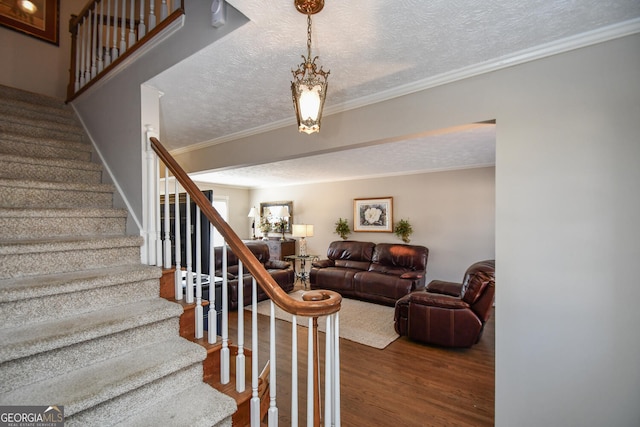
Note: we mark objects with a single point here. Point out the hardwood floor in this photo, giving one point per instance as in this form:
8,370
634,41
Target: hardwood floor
405,384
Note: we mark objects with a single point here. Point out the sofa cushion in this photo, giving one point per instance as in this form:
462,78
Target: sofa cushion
398,259
355,265
349,250
476,279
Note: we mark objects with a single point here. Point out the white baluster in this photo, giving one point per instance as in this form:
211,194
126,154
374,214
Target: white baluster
310,384
240,359
224,352
142,29
100,39
255,399
83,41
167,221
156,207
336,370
152,15
164,12
178,272
87,65
294,371
328,371
212,336
94,37
199,312
272,413
189,298
123,27
132,25
114,48
107,51
78,72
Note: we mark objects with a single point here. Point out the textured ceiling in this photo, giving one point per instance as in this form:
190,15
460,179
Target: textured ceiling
373,48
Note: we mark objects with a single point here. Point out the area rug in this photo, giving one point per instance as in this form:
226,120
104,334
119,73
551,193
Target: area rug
361,322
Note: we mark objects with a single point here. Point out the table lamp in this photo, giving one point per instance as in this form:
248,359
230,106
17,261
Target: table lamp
303,231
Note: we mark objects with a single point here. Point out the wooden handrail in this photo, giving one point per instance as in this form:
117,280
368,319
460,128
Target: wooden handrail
323,303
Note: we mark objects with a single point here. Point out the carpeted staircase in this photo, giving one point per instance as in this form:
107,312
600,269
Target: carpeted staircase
82,322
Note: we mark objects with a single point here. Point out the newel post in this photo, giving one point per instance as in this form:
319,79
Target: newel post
151,231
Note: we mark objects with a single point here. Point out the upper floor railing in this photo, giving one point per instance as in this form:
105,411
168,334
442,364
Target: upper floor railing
315,304
107,32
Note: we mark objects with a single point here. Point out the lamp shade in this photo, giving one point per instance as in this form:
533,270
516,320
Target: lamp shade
253,212
302,230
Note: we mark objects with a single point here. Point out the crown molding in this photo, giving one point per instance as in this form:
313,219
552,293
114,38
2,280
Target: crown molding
557,47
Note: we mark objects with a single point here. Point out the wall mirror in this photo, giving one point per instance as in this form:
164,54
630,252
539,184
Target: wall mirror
273,211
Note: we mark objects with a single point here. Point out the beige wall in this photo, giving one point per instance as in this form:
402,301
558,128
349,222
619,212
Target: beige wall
452,213
45,69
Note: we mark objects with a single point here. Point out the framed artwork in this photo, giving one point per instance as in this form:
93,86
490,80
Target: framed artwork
36,18
373,214
274,212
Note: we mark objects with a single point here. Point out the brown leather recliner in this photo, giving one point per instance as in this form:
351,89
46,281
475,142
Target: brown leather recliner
281,271
447,313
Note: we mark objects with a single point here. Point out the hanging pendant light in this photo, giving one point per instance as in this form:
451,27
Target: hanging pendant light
309,85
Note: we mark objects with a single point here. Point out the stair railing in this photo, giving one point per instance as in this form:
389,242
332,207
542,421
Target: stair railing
315,304
108,32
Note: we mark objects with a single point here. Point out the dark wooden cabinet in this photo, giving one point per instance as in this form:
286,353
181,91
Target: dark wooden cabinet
278,249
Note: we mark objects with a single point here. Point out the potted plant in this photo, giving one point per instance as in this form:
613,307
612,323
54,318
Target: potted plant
342,228
403,230
265,227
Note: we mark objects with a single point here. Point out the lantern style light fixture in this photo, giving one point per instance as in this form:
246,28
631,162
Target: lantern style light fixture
309,85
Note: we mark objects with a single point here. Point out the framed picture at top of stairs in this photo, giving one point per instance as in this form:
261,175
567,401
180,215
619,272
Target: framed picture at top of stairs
36,18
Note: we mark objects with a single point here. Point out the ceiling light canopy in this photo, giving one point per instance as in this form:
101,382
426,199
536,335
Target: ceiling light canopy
309,85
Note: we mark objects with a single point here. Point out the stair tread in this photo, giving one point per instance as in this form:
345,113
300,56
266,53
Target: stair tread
51,185
62,243
46,161
104,380
52,125
62,283
53,141
200,405
35,338
62,213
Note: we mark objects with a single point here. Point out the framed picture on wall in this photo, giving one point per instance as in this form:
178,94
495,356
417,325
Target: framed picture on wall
373,214
36,18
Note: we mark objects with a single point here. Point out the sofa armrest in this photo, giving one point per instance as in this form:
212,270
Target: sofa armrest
276,264
436,300
444,288
413,275
323,263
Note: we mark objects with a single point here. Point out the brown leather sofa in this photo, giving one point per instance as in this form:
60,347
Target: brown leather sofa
447,313
281,271
380,273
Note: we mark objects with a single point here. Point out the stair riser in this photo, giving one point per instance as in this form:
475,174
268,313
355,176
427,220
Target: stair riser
125,405
21,265
20,197
51,173
39,367
33,310
63,132
26,146
47,227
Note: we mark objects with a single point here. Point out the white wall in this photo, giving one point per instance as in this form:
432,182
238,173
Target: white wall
567,206
452,214
45,69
